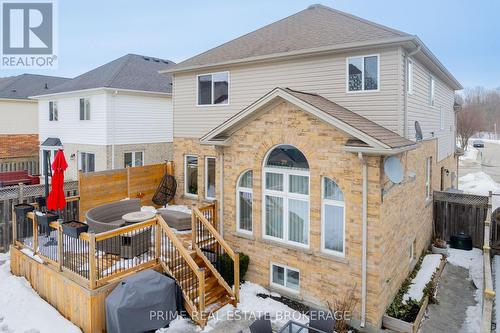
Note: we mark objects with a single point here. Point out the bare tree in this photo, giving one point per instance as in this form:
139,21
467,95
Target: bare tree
469,122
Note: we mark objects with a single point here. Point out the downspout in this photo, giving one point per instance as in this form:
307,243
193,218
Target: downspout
364,238
221,191
112,113
407,82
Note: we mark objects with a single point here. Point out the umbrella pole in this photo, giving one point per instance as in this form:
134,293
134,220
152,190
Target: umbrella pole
46,172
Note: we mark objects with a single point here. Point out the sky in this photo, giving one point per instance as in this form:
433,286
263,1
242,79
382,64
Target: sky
463,34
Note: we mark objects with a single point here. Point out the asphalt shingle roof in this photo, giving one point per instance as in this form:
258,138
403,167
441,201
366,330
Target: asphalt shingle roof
314,27
26,85
132,71
353,119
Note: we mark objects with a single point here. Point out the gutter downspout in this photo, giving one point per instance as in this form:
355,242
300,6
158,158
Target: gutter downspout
407,82
364,238
112,113
221,191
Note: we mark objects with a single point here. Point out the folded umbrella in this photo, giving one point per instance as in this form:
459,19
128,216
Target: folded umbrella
56,199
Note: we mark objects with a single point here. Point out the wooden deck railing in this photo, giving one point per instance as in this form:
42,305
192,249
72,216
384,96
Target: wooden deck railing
210,246
488,289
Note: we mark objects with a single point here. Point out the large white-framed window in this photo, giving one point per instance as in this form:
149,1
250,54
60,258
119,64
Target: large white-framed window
286,196
133,159
285,277
53,111
86,162
191,175
332,218
409,71
432,90
363,73
428,185
213,88
210,164
244,202
84,108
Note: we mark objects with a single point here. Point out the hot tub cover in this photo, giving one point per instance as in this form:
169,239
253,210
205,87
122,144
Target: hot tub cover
145,301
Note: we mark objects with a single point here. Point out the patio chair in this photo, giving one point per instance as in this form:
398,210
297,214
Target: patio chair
166,191
261,325
321,320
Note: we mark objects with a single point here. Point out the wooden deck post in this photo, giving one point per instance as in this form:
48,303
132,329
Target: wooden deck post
14,225
236,277
92,262
193,229
201,292
215,216
60,247
35,233
157,241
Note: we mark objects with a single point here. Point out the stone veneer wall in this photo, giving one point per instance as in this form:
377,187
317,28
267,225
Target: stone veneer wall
394,219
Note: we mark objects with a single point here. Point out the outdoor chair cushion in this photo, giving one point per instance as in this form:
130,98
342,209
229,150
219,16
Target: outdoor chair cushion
321,319
175,219
261,325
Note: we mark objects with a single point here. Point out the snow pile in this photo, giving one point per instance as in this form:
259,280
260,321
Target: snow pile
429,266
478,183
22,309
179,208
470,155
250,307
473,261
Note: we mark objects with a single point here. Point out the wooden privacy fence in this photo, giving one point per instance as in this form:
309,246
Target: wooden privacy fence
98,188
13,195
459,212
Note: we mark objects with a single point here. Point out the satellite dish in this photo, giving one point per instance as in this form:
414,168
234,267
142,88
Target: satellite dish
418,131
394,169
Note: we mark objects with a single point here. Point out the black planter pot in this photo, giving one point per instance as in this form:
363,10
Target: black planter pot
46,218
21,210
74,228
461,242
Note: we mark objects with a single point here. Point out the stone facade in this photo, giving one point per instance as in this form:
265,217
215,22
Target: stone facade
394,218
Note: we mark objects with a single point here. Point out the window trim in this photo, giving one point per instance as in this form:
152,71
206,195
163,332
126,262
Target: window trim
206,177
84,113
285,195
410,76
186,193
363,56
286,268
432,90
335,203
244,190
211,104
51,112
133,152
428,178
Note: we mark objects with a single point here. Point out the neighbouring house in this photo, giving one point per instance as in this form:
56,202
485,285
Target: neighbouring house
114,116
289,128
19,120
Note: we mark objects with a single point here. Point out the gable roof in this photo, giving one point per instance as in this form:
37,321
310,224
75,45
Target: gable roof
314,27
26,85
369,136
131,72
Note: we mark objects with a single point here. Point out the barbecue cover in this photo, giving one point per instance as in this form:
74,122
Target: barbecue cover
145,301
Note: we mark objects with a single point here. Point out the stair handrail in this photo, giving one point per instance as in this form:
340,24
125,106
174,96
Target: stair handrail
196,214
198,272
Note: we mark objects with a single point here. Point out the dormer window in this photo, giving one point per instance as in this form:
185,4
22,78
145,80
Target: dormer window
213,88
362,73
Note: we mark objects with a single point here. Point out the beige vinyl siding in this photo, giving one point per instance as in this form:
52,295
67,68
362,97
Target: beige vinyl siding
429,116
18,117
325,75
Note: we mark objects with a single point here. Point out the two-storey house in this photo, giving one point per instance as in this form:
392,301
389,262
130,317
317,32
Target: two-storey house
114,116
290,128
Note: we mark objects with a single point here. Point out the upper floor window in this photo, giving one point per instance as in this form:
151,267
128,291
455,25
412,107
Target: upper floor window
213,88
133,159
84,109
409,71
432,90
363,73
53,113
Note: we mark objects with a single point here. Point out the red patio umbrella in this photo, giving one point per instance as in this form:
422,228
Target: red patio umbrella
56,199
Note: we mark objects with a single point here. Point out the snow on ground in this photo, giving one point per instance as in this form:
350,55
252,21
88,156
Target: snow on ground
429,265
178,208
478,183
250,307
473,261
23,310
470,155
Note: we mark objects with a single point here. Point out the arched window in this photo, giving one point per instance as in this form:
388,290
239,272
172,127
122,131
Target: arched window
333,218
286,196
244,202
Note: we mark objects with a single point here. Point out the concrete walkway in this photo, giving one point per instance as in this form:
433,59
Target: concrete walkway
455,294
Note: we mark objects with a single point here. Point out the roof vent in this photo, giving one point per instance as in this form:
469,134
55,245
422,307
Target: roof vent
314,6
46,86
14,90
156,60
164,61
146,58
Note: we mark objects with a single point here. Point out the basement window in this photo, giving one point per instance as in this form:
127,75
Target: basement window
285,277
